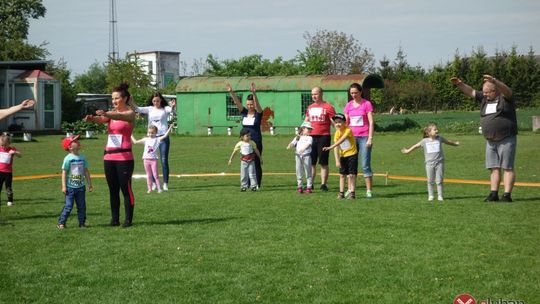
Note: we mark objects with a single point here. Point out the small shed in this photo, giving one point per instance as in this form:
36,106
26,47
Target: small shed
203,103
20,80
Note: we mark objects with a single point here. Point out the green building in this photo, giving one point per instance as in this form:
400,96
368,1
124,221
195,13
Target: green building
205,107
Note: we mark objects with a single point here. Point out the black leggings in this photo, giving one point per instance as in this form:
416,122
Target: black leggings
258,167
118,175
7,177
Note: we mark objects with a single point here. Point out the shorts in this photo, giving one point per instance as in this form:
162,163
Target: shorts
319,142
349,165
501,154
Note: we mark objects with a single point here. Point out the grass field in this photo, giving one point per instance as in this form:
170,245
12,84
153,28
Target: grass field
205,242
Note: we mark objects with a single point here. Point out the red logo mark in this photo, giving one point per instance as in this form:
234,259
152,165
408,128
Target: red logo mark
464,299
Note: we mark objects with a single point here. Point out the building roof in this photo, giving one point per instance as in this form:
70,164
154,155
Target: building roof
155,52
35,74
24,65
278,83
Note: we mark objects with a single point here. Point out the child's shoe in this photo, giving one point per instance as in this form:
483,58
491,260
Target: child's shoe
165,187
492,197
308,190
440,198
154,186
341,195
324,188
83,226
507,198
430,198
159,191
299,190
351,195
10,204
149,191
369,194
61,226
243,189
254,189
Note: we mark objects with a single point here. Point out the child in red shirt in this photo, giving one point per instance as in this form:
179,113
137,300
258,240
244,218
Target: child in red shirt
6,165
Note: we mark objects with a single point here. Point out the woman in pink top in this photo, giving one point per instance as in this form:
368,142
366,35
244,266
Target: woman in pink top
359,115
118,158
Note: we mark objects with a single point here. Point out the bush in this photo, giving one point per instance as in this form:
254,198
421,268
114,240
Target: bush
405,125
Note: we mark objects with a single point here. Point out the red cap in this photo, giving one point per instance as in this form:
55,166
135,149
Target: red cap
66,142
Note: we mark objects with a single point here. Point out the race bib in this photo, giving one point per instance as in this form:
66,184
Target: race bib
5,158
114,141
491,108
356,121
77,168
248,121
316,114
433,147
346,145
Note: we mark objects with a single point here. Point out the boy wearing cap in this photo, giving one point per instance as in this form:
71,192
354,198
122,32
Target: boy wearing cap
75,177
303,142
346,155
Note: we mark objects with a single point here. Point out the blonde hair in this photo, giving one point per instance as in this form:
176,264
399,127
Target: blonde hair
153,128
428,127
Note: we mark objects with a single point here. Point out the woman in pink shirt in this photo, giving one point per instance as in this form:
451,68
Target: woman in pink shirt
118,158
359,115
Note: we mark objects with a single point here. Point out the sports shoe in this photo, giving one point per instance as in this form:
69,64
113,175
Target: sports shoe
430,198
159,191
83,226
347,193
165,187
308,190
254,189
299,190
369,194
351,195
10,204
126,224
341,196
149,191
61,226
440,198
154,186
507,198
114,223
492,197
324,188
243,189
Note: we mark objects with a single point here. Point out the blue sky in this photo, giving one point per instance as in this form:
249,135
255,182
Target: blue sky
429,32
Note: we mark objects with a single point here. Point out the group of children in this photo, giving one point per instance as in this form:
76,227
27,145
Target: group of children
76,176
346,155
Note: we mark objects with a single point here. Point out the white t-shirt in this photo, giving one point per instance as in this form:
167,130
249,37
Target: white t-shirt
157,117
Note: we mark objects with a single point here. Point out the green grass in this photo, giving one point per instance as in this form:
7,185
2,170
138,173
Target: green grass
205,242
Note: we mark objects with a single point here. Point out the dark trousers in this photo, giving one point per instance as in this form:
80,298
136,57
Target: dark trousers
258,167
118,175
7,177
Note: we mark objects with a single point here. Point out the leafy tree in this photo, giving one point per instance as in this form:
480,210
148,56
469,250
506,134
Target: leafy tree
14,17
252,65
71,111
129,71
343,54
92,81
312,61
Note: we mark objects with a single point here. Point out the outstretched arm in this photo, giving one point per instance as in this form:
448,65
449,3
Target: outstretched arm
135,141
450,142
237,101
412,148
337,143
26,104
465,88
164,136
128,115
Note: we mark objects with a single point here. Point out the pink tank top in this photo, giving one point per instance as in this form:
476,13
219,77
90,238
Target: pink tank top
118,145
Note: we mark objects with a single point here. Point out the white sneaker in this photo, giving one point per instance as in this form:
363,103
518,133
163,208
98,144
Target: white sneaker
369,194
149,191
10,204
159,191
430,198
440,198
154,186
165,187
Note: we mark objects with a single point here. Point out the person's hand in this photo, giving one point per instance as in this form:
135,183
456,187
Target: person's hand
252,88
88,118
369,143
100,112
404,150
90,188
488,78
229,88
301,151
173,103
455,80
338,164
64,189
230,161
457,143
28,103
326,148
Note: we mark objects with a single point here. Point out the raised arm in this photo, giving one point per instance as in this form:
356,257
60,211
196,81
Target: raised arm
237,101
164,136
450,142
501,86
135,141
465,88
253,90
128,115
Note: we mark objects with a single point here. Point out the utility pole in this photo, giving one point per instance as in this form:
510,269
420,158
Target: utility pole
113,33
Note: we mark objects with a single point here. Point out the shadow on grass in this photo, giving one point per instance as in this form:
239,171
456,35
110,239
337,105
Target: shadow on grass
203,221
47,215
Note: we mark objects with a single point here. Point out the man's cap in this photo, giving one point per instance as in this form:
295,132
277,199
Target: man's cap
66,142
339,116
